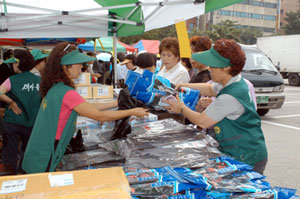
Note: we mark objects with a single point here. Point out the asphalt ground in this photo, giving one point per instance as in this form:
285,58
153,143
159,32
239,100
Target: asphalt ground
281,128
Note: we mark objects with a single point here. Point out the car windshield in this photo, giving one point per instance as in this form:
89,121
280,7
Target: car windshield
256,60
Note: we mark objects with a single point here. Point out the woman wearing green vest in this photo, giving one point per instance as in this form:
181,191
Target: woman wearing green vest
237,125
21,93
56,120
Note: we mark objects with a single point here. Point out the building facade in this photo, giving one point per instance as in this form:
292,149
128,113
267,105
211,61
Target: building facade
260,14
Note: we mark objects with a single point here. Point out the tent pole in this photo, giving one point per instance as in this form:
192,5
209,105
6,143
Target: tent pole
115,59
5,8
101,44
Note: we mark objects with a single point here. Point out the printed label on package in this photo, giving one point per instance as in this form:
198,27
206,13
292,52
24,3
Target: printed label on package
83,91
12,186
61,180
103,91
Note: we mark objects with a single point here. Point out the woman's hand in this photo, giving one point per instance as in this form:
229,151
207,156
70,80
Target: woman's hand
175,106
140,112
178,85
14,107
205,101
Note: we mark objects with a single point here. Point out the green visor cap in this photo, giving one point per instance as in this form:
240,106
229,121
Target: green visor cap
37,54
211,58
75,57
11,60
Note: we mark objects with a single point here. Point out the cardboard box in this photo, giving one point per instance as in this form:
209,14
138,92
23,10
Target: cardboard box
102,91
108,183
83,80
85,91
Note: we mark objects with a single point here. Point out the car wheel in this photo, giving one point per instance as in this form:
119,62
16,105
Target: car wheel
262,112
294,79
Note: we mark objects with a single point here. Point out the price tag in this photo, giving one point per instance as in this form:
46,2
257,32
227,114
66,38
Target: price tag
12,186
61,180
103,91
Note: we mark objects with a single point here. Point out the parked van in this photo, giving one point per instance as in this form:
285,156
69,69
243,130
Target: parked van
266,79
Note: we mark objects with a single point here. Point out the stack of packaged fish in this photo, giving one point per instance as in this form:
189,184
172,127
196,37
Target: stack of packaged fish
222,178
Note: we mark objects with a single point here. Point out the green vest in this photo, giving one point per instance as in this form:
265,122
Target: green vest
242,138
25,92
40,146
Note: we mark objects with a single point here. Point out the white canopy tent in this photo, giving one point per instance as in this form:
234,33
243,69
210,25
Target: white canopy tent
78,18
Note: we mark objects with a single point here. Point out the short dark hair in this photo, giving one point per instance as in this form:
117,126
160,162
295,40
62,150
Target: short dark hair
8,54
26,60
170,44
131,57
155,58
145,60
91,53
120,56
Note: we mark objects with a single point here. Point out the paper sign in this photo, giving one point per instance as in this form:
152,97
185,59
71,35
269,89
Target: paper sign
103,91
183,39
61,180
12,186
83,91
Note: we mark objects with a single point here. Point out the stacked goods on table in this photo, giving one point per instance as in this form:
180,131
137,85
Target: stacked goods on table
222,178
153,144
94,133
166,159
109,183
92,91
164,143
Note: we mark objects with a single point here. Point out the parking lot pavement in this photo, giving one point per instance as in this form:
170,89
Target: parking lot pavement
281,128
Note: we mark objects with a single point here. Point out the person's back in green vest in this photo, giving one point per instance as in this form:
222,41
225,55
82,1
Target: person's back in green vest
22,95
25,92
41,148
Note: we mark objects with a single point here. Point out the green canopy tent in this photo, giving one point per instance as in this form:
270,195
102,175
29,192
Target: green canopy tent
95,18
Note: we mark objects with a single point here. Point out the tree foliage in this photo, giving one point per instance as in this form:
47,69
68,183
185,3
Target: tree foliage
156,34
249,35
293,23
226,29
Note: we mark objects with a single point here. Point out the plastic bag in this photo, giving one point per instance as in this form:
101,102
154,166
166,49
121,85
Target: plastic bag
76,144
87,158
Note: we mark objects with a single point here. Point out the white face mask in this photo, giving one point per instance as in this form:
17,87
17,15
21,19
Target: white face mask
91,65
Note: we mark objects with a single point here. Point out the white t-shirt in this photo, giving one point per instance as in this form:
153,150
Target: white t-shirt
177,74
